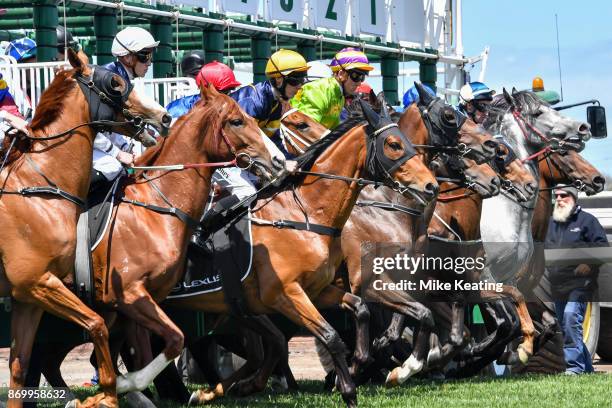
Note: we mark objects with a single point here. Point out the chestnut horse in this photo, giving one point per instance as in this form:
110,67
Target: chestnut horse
142,255
293,270
43,192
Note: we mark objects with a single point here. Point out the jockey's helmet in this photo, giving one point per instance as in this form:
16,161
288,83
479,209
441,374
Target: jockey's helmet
131,40
192,62
476,91
219,75
350,58
284,63
318,70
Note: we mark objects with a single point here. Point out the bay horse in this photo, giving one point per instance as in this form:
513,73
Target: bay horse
43,192
457,222
293,270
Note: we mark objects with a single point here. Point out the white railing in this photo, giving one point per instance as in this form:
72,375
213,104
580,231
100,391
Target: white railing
27,82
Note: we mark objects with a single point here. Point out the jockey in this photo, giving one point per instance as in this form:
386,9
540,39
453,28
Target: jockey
64,39
475,99
133,47
412,95
318,70
192,63
324,99
215,73
267,101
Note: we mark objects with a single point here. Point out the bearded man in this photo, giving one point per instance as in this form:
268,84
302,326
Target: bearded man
573,286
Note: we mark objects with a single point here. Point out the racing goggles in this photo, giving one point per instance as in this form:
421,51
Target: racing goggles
357,76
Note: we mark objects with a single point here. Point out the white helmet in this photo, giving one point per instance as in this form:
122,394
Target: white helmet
132,40
318,69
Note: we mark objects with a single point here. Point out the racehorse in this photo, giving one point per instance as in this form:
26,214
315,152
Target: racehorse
432,126
534,128
293,270
132,275
457,226
43,192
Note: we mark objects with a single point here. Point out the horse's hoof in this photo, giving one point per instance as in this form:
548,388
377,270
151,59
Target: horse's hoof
433,356
201,397
278,383
523,355
392,379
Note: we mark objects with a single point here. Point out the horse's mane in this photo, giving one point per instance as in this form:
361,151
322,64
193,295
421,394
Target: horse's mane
528,101
51,103
307,160
205,114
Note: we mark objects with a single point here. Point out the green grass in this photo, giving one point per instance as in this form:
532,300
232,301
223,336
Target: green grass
588,391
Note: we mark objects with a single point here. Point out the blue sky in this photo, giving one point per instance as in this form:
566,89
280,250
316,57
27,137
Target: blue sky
522,38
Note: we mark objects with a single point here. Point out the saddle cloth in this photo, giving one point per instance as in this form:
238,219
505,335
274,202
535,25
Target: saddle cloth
226,255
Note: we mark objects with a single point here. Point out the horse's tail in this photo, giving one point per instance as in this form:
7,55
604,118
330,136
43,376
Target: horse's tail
324,357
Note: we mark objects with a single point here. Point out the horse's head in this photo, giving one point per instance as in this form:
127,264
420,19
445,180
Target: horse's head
236,135
111,98
515,177
539,123
571,168
298,131
391,155
434,124
479,178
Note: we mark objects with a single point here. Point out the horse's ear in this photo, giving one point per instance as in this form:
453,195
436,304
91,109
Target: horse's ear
425,97
78,62
208,92
384,110
514,91
509,98
369,114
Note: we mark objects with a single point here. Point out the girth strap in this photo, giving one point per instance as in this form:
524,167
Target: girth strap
178,213
301,226
390,207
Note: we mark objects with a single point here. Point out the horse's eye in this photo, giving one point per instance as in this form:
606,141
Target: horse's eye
302,126
115,83
395,146
236,122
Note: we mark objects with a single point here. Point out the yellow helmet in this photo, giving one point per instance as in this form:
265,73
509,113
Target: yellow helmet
284,62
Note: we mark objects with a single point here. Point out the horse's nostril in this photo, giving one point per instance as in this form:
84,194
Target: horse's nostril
431,190
583,128
491,144
599,181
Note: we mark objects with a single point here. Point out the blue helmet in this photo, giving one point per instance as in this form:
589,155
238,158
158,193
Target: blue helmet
412,95
21,49
476,91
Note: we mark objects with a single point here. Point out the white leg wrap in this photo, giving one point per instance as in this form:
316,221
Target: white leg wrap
409,368
139,380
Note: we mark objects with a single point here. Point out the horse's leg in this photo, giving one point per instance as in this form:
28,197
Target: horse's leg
50,294
502,327
458,336
331,296
138,305
295,304
392,333
525,349
24,323
250,328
